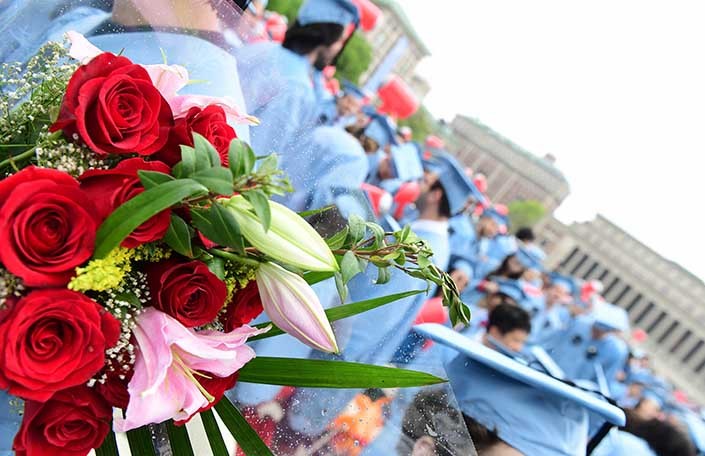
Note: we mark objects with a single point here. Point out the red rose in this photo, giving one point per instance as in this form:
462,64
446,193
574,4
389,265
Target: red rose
115,108
110,188
189,292
47,226
71,423
210,122
114,389
216,387
245,306
53,340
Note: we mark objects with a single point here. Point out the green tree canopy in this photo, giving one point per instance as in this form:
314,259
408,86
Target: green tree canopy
525,213
288,8
422,124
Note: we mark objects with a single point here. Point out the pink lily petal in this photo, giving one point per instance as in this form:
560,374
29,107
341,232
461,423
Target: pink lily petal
168,79
81,49
182,103
164,384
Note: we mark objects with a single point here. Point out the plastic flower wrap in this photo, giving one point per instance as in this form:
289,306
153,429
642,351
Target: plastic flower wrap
138,241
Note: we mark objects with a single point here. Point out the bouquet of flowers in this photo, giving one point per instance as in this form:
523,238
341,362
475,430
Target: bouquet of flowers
139,241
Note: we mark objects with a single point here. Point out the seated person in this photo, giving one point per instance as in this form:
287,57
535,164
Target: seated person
508,327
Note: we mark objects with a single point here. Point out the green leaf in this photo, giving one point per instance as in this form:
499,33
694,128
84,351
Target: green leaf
151,179
188,160
246,437
226,227
109,446
349,267
383,276
139,209
260,203
217,266
268,165
241,158
215,438
179,440
140,440
178,236
357,227
217,179
313,277
341,287
337,241
404,234
305,214
378,233
315,373
345,311
204,148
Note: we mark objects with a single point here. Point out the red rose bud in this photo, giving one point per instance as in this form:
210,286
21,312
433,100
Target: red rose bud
115,108
110,188
71,423
189,292
47,226
245,306
53,340
210,122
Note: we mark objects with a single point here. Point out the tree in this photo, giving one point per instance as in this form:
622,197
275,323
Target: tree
525,213
355,59
288,8
422,124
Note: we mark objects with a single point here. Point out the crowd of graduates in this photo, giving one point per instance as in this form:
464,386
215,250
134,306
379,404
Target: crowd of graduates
546,365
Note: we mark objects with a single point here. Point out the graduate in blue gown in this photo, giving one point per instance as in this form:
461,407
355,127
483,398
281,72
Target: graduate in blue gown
280,88
513,409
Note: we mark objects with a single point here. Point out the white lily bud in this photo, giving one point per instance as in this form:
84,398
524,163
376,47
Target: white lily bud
289,239
294,307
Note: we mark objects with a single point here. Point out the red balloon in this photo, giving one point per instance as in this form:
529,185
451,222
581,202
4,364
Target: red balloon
501,209
276,26
434,142
369,14
639,335
377,196
480,182
397,98
432,312
408,193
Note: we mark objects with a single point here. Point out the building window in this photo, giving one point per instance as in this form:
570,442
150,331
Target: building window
611,285
649,307
656,322
622,294
579,265
681,341
693,351
700,367
668,332
634,302
604,274
592,269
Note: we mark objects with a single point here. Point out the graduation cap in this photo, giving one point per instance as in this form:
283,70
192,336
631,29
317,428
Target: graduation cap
381,130
406,163
351,89
342,12
610,317
529,410
457,186
501,219
511,288
564,281
529,259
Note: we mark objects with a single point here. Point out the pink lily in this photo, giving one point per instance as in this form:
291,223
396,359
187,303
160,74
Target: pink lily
182,103
294,307
170,359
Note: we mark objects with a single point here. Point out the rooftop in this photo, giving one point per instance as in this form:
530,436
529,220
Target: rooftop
545,164
406,23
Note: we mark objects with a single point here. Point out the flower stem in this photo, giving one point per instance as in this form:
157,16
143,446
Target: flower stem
233,257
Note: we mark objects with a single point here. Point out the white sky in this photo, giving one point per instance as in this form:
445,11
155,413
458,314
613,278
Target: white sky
614,89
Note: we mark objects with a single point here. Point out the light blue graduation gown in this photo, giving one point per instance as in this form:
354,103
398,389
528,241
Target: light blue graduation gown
462,243
334,159
570,347
280,91
10,421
